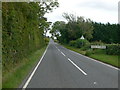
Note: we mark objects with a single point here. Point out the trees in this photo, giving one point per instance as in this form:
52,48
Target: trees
92,31
60,31
23,28
57,29
46,7
74,29
79,26
107,33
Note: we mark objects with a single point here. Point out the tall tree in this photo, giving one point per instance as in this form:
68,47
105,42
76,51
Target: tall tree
73,29
79,26
107,33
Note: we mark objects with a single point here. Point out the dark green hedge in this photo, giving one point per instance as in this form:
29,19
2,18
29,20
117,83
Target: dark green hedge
21,34
113,49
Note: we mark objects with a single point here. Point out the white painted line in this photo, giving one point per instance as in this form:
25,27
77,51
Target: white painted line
27,82
55,46
95,60
59,50
77,67
95,83
63,54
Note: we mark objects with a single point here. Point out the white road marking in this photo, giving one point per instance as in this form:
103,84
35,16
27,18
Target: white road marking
95,83
59,50
74,63
63,54
55,46
77,67
27,82
95,60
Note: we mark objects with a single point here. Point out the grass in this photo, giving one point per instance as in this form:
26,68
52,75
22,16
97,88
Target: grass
98,55
15,77
75,49
102,56
0,76
110,59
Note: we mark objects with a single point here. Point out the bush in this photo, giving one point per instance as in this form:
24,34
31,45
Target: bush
86,47
82,43
97,43
113,49
79,43
89,52
46,40
72,43
55,40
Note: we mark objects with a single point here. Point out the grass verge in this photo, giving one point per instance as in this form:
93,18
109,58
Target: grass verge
15,77
75,49
109,59
98,55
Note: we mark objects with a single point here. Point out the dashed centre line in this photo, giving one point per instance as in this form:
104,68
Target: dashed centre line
63,54
58,49
95,60
77,67
72,62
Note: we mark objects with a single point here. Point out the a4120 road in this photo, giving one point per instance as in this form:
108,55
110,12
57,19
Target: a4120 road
62,68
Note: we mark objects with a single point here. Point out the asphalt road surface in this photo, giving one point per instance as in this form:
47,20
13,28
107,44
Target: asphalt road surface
62,68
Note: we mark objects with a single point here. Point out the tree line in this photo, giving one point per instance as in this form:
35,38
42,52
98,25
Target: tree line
23,25
107,33
77,26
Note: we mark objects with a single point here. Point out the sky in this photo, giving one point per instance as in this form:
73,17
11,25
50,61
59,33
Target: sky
103,11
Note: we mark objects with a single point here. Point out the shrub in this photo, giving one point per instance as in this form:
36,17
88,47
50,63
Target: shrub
55,40
113,49
86,47
89,52
72,43
46,40
79,43
97,43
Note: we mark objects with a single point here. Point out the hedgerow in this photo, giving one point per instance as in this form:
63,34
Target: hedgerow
20,32
113,49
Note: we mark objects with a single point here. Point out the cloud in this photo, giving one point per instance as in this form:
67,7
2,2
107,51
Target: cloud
98,5
97,10
119,12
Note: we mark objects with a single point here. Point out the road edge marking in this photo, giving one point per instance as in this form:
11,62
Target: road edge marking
33,72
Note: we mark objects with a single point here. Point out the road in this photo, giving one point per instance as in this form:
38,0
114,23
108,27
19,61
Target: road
62,68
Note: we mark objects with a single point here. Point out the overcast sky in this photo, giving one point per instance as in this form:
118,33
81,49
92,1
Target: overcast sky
97,10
